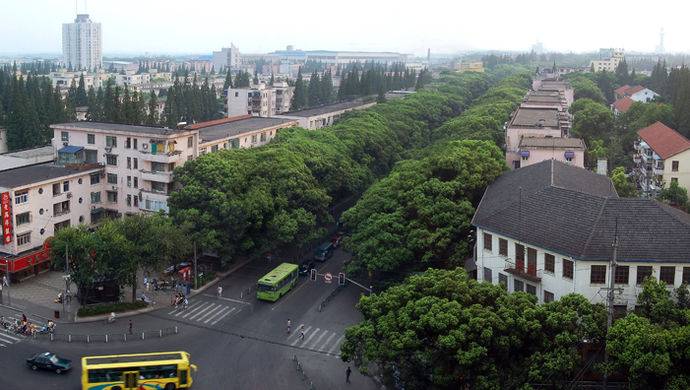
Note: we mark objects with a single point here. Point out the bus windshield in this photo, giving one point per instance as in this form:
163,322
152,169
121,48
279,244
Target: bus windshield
263,287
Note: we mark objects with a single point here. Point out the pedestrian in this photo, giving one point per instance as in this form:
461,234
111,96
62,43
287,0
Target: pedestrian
301,332
288,325
220,291
130,326
347,374
146,283
25,320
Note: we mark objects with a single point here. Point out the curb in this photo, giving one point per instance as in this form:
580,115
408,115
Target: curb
152,308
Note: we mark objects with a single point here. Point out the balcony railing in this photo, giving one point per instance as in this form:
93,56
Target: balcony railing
161,176
527,273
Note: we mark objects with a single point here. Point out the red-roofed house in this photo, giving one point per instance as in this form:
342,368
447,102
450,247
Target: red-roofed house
622,105
662,156
637,93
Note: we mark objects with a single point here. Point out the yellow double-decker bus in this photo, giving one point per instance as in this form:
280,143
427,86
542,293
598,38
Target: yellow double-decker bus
157,370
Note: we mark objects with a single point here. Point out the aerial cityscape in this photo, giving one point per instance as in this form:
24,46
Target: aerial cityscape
373,196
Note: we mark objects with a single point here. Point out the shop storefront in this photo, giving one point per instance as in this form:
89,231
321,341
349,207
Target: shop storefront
26,264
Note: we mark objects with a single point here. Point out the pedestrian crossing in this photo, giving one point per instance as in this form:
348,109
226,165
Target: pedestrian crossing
8,337
205,312
316,339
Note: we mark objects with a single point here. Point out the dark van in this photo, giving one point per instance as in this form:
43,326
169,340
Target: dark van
323,252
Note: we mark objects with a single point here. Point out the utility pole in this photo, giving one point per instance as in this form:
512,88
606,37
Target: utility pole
609,301
64,297
196,276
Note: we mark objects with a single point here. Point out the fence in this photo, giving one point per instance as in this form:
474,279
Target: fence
108,338
303,375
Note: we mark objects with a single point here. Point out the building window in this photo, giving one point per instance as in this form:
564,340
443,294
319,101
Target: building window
567,269
190,142
503,247
81,219
254,138
503,281
112,196
136,201
214,148
548,296
61,225
64,136
61,208
686,275
129,200
643,272
136,163
129,181
112,178
518,285
110,141
487,275
597,274
23,239
158,186
674,166
91,139
56,189
23,218
487,241
96,197
65,186
95,178
128,143
622,274
129,163
531,261
668,274
519,257
21,197
531,289
674,180
111,159
263,137
135,144
136,182
549,263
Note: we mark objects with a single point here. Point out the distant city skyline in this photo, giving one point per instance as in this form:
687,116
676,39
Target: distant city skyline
135,27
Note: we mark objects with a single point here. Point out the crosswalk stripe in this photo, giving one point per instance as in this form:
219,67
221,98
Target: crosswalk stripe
8,341
202,311
5,335
328,340
224,315
314,333
297,340
3,345
295,333
188,307
217,314
188,312
325,332
214,311
337,344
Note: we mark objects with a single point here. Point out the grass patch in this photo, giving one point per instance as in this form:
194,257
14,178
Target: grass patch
106,308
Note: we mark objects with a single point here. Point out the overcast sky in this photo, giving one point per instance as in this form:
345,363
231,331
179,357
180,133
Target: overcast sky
200,26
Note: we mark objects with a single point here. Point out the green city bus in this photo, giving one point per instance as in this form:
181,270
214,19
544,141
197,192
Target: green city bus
278,282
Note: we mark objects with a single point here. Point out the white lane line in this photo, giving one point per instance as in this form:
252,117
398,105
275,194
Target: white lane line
229,299
188,307
223,310
188,312
314,333
3,345
295,333
297,340
337,344
202,311
325,343
325,332
223,316
212,312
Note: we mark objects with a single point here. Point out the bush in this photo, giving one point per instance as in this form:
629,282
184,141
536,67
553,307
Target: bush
105,308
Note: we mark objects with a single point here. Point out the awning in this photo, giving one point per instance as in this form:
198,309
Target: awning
569,154
71,149
524,153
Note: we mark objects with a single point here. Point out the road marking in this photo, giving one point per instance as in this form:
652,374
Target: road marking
204,310
314,333
336,345
223,316
188,307
188,312
229,299
296,331
212,312
298,339
223,310
325,343
325,332
10,337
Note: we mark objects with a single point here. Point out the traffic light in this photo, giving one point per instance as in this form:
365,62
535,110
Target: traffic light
312,276
341,279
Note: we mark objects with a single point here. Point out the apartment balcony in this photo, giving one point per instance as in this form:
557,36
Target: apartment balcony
161,176
155,195
526,273
166,158
153,201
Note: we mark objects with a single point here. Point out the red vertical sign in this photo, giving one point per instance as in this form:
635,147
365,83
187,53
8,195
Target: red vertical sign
6,215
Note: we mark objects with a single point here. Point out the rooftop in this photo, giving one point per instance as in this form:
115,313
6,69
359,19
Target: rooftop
536,117
227,128
575,212
22,176
623,104
328,108
551,143
116,128
665,141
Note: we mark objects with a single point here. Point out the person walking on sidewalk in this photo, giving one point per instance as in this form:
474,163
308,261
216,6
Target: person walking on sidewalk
347,374
220,291
288,325
130,326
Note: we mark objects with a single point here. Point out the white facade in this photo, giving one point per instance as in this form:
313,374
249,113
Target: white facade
82,44
259,101
644,96
317,118
227,57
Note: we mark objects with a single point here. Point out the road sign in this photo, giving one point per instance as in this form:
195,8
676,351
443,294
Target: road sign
327,277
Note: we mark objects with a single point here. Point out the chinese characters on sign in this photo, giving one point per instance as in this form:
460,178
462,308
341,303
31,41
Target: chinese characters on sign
6,215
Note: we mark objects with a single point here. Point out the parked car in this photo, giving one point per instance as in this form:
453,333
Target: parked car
49,361
306,266
323,252
176,267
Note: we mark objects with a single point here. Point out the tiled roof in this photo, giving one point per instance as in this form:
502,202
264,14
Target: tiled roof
623,104
576,213
665,141
633,90
248,124
621,90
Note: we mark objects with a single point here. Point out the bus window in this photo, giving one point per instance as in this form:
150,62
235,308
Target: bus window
183,377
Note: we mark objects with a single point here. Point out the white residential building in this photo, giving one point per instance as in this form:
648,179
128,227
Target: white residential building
609,62
82,44
227,57
259,101
318,117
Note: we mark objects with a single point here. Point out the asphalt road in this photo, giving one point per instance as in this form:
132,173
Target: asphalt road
236,341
